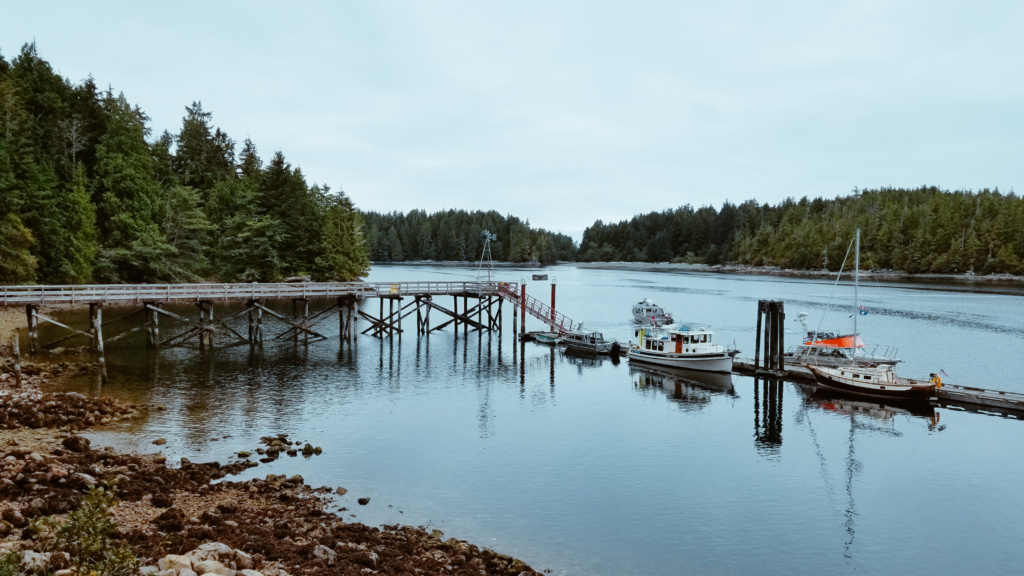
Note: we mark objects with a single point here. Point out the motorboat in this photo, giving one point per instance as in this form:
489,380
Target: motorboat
548,338
688,346
831,349
649,313
590,343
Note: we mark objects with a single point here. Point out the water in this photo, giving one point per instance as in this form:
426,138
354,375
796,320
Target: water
586,466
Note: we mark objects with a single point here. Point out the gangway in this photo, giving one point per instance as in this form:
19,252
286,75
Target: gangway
556,320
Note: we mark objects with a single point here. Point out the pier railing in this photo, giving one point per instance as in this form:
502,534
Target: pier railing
104,293
556,320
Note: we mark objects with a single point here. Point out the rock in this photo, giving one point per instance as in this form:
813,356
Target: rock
242,560
162,500
160,459
248,572
171,520
364,501
76,444
34,561
187,572
212,567
341,491
307,450
174,562
82,479
15,517
148,571
244,454
324,553
160,441
5,528
228,506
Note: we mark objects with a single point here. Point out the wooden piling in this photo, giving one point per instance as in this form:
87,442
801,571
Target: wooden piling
16,351
31,311
757,336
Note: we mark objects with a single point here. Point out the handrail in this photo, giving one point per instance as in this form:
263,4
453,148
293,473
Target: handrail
83,293
539,310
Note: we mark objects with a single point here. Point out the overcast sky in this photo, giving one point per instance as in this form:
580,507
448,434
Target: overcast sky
568,112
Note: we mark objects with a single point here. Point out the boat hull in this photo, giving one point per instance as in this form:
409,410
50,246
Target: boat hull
710,362
899,389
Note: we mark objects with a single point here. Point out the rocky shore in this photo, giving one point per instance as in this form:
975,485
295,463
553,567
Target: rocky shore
185,519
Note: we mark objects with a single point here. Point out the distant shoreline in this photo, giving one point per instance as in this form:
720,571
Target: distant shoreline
668,267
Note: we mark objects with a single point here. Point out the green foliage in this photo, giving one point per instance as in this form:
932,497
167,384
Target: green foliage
10,563
89,536
456,235
923,230
84,197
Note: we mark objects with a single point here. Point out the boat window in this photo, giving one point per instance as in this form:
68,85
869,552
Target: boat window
703,337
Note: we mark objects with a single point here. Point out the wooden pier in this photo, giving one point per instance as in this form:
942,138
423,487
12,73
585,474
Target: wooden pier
149,301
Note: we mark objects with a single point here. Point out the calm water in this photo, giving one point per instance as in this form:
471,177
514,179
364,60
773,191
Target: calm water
588,466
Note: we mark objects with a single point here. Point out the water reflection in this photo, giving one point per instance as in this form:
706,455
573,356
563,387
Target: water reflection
768,416
689,389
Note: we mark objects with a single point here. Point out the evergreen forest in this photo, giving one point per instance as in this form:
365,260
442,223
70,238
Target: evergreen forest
922,230
86,195
458,235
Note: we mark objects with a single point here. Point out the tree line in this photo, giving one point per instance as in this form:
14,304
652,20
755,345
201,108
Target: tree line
920,230
87,196
458,235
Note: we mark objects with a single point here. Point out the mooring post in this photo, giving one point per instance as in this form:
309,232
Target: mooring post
552,302
31,311
16,350
465,310
399,317
782,339
305,320
757,336
768,336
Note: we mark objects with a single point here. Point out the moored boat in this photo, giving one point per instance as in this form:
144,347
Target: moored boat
873,382
689,346
590,343
832,349
647,312
548,338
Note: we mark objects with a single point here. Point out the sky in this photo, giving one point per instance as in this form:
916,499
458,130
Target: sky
566,112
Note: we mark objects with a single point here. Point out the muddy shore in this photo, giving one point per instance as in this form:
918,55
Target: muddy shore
279,524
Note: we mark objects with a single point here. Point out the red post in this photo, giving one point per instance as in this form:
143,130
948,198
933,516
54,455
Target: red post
522,308
552,304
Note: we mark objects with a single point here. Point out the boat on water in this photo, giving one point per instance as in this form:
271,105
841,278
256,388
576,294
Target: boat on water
548,338
647,312
873,382
688,346
589,343
869,379
831,349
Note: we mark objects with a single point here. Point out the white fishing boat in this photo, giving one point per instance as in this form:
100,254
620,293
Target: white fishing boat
688,346
649,313
850,375
548,338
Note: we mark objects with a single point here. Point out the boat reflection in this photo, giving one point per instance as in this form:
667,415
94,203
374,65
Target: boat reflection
877,411
688,388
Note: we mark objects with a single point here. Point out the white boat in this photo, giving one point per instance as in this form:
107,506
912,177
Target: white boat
589,342
831,349
871,379
549,338
689,346
647,312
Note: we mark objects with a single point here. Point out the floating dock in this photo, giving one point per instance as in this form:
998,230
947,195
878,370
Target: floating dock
1010,404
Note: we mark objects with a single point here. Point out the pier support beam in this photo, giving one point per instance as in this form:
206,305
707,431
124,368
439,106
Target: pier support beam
32,311
16,352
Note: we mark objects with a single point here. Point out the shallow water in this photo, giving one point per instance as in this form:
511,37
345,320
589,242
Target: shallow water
588,466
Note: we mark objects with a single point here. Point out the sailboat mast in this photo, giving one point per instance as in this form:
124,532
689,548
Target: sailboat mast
856,280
